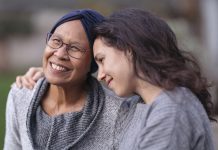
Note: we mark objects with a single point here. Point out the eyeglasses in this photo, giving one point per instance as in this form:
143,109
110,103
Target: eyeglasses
55,42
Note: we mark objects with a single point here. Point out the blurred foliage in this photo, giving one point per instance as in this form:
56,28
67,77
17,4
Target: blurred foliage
5,82
15,23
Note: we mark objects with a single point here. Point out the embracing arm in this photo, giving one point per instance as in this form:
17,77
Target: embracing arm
30,78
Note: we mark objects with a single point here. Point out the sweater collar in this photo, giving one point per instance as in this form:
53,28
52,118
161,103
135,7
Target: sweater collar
74,126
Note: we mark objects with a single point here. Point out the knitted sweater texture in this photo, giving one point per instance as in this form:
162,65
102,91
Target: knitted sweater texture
20,124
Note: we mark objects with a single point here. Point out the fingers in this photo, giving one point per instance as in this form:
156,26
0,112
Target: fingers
18,82
23,81
30,78
31,72
28,82
37,76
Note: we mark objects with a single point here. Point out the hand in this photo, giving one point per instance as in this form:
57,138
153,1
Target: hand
30,78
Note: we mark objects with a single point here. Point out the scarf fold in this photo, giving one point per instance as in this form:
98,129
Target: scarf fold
66,129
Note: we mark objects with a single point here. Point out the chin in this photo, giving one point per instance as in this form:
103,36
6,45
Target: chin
53,80
123,94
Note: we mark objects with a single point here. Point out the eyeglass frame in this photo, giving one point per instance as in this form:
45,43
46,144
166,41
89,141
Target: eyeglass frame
82,50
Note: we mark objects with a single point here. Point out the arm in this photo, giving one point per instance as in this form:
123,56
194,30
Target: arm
12,136
29,79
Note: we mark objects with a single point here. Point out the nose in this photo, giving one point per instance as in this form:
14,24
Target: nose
101,75
61,52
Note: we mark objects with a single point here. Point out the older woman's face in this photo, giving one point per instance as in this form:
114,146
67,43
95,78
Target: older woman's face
58,66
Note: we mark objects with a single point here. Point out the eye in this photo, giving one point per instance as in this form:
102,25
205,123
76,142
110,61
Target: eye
74,48
55,41
100,60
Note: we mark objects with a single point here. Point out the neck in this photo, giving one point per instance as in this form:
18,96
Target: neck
147,91
67,94
61,99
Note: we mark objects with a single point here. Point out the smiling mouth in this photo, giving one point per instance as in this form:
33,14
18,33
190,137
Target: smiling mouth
58,67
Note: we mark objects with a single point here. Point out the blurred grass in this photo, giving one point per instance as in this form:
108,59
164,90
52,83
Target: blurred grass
5,82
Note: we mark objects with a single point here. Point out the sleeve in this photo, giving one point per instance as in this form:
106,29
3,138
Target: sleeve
167,128
12,136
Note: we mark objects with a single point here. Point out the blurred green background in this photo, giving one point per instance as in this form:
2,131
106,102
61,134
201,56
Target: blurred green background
24,24
5,82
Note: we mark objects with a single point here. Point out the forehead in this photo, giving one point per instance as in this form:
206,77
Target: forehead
100,48
72,31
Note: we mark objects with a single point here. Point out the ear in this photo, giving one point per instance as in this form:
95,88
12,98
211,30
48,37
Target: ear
129,54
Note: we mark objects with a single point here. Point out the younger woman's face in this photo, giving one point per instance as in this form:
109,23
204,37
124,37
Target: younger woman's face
115,68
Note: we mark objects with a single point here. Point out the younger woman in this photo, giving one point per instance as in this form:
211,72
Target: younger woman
137,53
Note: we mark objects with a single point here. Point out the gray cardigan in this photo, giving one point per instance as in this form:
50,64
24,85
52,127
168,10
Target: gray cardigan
99,137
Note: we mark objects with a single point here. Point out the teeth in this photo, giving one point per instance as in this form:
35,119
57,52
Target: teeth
59,68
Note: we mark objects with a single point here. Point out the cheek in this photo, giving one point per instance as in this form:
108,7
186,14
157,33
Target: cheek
47,53
84,63
88,58
125,70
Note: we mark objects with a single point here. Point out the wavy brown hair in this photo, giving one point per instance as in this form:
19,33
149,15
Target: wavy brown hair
155,52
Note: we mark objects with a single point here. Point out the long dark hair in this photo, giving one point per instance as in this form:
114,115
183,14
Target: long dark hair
155,52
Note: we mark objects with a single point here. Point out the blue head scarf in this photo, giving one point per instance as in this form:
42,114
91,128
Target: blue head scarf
89,18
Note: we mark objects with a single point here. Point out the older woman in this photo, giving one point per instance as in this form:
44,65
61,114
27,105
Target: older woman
68,109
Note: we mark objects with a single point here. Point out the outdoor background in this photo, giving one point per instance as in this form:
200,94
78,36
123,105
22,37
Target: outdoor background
24,24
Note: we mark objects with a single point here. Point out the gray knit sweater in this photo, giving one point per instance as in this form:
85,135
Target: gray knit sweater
20,124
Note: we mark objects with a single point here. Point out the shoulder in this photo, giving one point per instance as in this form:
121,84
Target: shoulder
21,96
180,98
110,95
120,106
178,115
180,108
187,103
